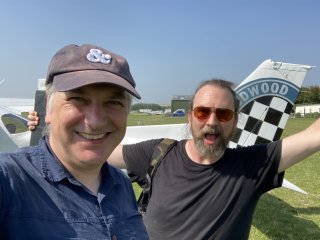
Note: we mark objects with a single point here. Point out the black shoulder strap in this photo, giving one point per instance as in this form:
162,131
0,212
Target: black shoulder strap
161,150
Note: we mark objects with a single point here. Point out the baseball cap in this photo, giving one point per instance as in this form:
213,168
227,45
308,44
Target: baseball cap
75,66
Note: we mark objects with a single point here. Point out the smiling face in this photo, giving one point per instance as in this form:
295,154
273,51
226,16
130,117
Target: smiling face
211,135
86,124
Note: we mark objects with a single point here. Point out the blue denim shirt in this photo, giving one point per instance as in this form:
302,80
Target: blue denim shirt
39,199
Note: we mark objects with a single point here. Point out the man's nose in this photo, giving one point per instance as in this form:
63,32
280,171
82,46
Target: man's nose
212,120
95,116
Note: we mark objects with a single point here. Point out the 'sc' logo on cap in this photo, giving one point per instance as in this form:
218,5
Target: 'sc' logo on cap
96,55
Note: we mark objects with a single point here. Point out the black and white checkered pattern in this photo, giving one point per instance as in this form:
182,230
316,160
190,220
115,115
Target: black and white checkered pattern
261,121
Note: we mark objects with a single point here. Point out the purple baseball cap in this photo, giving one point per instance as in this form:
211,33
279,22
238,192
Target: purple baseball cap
76,66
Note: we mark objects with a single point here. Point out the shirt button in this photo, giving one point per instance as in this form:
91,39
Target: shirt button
114,237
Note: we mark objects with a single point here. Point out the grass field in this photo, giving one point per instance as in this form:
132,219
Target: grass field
281,213
135,119
285,214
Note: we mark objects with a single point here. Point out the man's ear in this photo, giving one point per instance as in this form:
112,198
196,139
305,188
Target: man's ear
48,119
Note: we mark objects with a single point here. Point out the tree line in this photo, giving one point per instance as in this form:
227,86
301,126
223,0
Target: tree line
309,95
151,106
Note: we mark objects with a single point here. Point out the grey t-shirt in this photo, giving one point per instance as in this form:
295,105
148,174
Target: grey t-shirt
195,201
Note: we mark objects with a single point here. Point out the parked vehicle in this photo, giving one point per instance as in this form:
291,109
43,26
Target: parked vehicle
178,113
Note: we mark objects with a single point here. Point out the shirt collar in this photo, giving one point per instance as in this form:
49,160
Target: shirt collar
52,169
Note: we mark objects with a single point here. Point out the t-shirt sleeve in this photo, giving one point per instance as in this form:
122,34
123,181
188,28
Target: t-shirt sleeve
268,175
274,153
259,164
138,157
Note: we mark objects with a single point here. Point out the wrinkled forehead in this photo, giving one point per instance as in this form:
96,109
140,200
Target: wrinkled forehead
99,87
214,96
96,91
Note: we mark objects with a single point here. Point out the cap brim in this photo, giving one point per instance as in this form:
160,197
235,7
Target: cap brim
72,80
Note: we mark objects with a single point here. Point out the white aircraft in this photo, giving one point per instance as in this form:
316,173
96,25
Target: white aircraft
11,108
266,96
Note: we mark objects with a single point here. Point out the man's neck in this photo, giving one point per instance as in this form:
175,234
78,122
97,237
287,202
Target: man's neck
90,181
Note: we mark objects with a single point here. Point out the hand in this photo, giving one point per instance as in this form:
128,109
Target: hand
33,120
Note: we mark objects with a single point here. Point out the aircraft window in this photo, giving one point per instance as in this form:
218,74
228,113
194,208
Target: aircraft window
14,124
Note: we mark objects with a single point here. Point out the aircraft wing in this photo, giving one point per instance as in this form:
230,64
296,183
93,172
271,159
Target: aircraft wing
12,107
10,141
6,143
17,105
136,134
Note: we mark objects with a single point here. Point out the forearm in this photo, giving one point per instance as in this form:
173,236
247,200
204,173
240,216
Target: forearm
116,158
299,146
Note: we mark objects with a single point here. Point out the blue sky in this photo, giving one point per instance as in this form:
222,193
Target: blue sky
171,45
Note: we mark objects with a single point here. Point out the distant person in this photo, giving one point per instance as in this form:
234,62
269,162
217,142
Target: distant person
202,189
63,188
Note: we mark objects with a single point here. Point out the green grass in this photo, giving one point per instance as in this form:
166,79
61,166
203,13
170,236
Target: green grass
141,119
281,213
285,214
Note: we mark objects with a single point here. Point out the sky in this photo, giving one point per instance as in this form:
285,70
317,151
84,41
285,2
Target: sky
171,45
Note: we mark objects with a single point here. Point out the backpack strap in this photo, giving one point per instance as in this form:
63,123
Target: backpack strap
158,154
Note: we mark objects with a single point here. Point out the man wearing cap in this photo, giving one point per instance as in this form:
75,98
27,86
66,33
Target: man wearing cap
63,188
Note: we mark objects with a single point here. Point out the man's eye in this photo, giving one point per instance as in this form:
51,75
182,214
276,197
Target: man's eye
76,99
115,103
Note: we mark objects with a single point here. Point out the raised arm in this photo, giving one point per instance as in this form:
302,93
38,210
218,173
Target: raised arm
116,158
297,147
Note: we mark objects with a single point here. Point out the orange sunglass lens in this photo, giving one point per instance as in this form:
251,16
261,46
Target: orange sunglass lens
224,115
203,113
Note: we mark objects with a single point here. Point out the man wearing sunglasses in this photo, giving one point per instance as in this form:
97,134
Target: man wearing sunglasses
202,189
